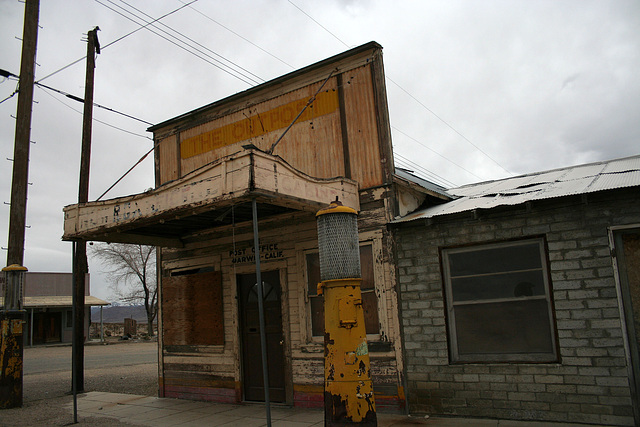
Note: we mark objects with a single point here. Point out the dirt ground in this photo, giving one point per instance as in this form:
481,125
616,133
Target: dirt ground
47,398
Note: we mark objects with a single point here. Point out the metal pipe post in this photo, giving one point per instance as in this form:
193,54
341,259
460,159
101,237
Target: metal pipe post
74,388
263,334
101,326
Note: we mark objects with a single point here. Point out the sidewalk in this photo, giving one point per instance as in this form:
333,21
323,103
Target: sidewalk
154,411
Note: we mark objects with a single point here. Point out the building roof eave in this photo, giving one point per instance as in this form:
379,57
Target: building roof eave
211,196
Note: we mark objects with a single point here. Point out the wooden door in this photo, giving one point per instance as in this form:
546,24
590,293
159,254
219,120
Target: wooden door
47,327
250,335
627,245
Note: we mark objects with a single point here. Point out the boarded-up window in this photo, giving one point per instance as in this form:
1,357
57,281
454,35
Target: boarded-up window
367,287
192,312
498,303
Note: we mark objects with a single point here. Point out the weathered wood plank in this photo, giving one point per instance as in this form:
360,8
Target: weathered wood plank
223,182
192,313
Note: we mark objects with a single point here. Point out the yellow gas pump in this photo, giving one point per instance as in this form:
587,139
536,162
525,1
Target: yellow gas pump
348,389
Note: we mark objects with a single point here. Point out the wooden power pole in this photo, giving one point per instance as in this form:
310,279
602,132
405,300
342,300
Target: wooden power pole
17,216
81,267
12,315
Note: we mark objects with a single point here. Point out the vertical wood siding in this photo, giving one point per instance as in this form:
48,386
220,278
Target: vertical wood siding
361,127
313,145
167,156
351,138
193,310
215,372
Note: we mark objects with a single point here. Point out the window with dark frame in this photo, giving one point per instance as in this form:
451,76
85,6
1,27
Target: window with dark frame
369,298
498,303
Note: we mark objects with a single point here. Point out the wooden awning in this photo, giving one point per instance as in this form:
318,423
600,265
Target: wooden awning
205,199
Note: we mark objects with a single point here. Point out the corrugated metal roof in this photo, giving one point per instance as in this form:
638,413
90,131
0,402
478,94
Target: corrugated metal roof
574,180
409,176
57,301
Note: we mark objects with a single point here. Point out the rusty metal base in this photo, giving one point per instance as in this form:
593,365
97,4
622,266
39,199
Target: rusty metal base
336,413
11,356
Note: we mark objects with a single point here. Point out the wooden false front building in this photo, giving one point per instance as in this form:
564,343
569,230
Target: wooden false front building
211,164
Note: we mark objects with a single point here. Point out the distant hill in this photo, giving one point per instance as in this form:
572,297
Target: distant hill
117,314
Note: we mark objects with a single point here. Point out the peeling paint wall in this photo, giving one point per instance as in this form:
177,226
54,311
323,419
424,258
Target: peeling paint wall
215,372
345,132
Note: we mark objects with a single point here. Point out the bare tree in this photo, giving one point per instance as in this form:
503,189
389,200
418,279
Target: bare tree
132,272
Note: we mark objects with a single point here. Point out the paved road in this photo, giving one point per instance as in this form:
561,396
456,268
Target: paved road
50,359
130,367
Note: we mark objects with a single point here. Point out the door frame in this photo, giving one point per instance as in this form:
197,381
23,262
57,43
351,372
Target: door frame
629,333
281,267
47,318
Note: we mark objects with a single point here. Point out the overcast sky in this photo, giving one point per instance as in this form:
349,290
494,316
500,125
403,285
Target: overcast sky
477,90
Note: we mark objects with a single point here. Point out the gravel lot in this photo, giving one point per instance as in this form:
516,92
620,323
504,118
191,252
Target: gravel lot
46,395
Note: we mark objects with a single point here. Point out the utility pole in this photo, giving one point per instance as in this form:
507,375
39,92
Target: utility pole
12,315
81,266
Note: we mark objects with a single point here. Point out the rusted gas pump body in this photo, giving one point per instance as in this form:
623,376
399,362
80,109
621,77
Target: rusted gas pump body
348,389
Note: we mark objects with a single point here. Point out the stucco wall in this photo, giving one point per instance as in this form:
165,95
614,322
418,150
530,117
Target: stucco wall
590,384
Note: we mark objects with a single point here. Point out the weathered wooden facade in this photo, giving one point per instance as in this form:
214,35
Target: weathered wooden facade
293,145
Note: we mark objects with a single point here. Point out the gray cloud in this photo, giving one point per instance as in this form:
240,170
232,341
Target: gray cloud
534,85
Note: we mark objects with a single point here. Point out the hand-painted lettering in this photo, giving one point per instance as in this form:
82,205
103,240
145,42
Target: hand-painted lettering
259,124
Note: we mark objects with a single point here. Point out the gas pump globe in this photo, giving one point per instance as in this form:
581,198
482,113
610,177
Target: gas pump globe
348,389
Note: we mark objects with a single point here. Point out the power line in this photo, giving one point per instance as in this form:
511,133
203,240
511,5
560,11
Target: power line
405,163
245,78
413,97
15,92
6,74
435,152
239,35
319,24
9,76
99,121
448,125
431,176
410,168
114,127
76,98
260,80
119,39
151,22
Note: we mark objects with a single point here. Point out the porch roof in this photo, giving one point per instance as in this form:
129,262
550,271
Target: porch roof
211,196
57,301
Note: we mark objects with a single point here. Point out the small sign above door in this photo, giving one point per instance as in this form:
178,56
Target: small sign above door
247,254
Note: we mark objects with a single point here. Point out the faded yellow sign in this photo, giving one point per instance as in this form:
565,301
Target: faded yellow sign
259,124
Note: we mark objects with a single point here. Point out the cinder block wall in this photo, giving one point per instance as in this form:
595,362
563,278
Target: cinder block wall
591,382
